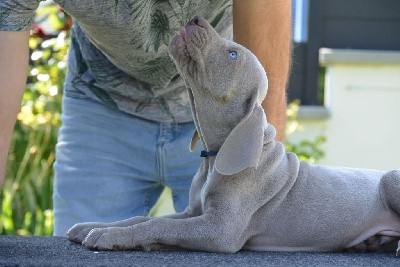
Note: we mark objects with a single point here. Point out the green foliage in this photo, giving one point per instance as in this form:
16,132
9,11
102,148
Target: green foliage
306,150
26,197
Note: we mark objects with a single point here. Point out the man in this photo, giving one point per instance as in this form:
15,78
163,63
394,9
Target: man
126,117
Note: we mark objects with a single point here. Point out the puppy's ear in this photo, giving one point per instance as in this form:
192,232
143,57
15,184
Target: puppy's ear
194,140
243,146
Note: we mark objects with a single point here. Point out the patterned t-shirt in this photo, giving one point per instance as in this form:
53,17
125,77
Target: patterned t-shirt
118,52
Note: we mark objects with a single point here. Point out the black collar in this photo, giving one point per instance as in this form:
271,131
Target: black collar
205,154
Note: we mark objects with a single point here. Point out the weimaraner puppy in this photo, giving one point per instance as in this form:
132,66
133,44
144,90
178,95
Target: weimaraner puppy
248,192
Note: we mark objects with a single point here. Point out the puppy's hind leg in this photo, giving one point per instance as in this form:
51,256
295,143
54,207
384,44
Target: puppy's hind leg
390,186
390,190
398,250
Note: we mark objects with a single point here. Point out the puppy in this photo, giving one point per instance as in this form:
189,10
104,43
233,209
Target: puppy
248,192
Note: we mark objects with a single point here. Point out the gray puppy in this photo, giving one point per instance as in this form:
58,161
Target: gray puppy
248,192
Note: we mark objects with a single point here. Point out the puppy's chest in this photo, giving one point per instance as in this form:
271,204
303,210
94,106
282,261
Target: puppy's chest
203,192
207,190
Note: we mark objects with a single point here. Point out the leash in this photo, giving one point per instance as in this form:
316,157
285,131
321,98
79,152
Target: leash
205,154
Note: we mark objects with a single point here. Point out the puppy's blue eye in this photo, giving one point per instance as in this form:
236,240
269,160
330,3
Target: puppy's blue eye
232,55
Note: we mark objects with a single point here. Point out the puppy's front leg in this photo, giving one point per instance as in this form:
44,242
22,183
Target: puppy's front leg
205,233
79,231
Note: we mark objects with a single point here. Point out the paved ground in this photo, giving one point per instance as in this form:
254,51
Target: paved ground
56,251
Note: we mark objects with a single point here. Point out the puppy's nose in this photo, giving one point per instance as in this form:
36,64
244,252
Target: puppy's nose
197,20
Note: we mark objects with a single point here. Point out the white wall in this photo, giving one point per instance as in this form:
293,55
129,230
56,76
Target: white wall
363,97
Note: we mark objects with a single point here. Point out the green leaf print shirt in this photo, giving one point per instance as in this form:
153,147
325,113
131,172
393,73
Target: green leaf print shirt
118,52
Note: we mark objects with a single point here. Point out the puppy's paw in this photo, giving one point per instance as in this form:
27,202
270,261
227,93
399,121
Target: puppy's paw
79,231
112,238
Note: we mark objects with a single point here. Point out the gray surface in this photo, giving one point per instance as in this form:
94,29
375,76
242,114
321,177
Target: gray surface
314,112
328,56
56,251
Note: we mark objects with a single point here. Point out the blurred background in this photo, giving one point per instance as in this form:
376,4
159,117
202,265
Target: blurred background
344,94
346,74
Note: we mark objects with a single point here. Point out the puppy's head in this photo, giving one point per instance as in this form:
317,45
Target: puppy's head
226,86
215,67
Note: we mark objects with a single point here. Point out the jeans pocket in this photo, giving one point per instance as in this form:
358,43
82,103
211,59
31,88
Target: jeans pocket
73,92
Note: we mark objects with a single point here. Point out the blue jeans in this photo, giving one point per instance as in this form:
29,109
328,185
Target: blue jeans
111,165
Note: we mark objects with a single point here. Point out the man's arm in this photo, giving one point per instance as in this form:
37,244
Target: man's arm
14,53
264,27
